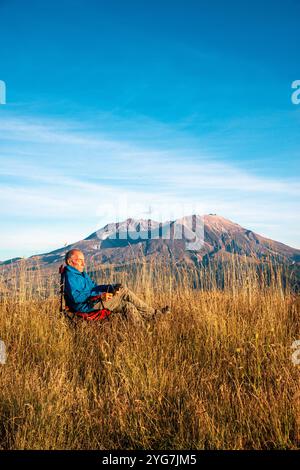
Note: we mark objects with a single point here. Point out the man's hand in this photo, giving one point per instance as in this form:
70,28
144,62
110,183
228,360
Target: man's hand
106,296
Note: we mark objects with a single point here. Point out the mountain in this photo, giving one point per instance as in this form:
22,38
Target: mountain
133,239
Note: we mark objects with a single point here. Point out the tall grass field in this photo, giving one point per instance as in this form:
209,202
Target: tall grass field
216,373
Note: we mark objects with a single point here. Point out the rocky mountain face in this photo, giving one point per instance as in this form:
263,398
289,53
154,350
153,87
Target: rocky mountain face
188,240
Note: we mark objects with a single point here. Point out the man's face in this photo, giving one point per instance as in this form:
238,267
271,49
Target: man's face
77,261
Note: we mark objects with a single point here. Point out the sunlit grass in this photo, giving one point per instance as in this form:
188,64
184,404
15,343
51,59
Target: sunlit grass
214,374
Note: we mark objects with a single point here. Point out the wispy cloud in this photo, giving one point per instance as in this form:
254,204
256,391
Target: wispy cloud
64,171
91,154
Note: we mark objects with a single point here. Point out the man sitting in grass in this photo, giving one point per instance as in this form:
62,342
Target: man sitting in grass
79,288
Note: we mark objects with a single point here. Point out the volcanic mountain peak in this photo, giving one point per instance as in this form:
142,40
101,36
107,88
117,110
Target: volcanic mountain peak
126,241
219,223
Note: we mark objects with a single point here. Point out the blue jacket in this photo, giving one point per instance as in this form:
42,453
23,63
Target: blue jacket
78,288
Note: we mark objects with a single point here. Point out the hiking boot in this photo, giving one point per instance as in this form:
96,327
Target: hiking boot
163,310
166,309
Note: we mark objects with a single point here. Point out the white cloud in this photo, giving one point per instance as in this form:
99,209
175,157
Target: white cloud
61,171
91,155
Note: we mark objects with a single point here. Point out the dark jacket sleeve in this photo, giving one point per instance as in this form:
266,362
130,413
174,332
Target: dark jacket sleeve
96,290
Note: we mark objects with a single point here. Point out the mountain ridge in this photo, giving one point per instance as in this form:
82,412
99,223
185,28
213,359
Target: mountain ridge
126,241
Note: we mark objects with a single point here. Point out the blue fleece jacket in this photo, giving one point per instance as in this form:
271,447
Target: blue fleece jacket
79,287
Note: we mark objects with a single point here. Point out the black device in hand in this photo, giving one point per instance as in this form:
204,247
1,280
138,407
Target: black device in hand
110,288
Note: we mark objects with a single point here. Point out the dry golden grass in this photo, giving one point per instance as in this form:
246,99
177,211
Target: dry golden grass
215,374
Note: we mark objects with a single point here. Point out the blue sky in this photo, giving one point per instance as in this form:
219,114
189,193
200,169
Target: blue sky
116,108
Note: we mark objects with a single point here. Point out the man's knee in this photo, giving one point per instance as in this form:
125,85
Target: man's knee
124,291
